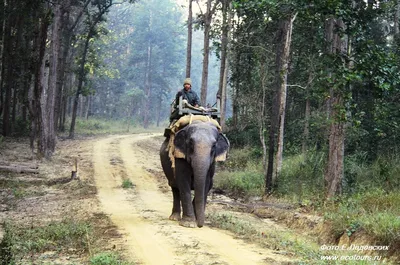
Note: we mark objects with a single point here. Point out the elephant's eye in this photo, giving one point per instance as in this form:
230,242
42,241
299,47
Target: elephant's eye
213,148
191,145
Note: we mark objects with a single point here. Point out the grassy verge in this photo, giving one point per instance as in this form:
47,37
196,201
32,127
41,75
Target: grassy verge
370,203
22,240
284,242
107,258
65,237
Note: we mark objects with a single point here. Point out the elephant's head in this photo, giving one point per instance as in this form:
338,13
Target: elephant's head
201,140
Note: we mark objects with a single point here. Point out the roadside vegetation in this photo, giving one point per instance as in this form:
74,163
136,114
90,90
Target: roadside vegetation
369,203
49,220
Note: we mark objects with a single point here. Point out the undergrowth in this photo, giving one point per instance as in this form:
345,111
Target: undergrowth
21,240
307,252
107,258
370,199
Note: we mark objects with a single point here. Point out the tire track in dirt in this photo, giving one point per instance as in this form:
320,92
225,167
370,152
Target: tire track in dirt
142,215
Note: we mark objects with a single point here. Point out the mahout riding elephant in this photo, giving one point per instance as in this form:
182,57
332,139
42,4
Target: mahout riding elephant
197,147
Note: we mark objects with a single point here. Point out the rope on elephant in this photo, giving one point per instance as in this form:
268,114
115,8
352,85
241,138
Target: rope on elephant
180,124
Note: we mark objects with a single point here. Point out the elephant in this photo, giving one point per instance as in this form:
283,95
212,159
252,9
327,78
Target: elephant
197,148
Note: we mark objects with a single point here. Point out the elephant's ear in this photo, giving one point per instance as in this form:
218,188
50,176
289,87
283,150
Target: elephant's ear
180,144
222,147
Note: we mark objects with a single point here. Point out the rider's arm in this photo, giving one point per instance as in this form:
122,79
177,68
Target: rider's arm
177,97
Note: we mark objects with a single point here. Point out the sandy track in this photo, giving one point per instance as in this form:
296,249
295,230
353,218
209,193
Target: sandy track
142,214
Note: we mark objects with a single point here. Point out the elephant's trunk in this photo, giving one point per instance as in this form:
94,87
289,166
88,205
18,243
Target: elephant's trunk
200,172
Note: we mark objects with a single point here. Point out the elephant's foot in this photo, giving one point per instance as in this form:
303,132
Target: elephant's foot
175,217
188,222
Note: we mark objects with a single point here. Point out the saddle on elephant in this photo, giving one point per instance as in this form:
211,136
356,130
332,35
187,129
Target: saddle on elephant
182,123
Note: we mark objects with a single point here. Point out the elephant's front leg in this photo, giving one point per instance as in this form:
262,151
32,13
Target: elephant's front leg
176,208
183,179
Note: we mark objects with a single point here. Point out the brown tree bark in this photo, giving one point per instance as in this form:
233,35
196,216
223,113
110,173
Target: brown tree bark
279,102
306,131
7,69
284,66
207,18
4,25
147,98
224,68
81,77
48,97
40,85
335,166
189,40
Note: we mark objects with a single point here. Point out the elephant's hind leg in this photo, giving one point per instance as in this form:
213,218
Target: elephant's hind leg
176,208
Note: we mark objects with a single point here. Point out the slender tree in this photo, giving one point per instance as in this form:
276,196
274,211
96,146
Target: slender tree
279,101
189,39
206,20
93,21
335,166
224,68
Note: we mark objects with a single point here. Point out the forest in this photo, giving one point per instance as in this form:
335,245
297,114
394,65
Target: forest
310,90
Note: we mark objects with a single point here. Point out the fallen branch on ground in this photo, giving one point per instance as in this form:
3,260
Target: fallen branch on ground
19,169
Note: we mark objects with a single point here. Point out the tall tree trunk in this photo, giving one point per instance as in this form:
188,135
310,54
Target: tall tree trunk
87,106
284,66
279,102
14,108
147,86
49,96
335,167
206,53
261,120
224,69
81,77
159,104
189,40
306,131
7,63
396,19
3,54
40,86
65,44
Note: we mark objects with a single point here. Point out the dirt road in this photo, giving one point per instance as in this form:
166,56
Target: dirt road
141,214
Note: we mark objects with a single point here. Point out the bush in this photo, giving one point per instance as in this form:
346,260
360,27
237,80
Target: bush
242,183
127,184
248,136
302,178
374,211
107,259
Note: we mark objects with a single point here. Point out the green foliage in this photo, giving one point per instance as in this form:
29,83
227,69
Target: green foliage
127,184
23,239
240,158
307,252
245,137
374,211
241,183
301,178
107,258
239,175
362,175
